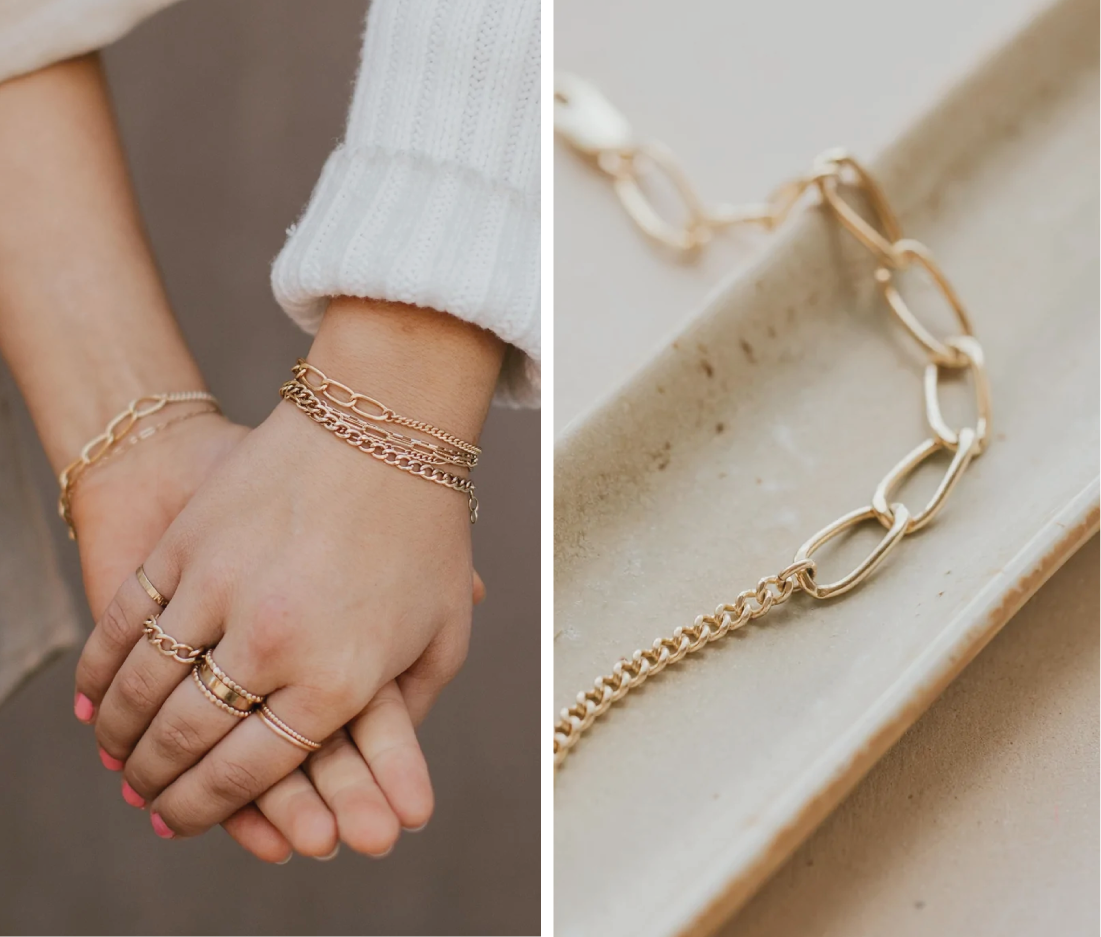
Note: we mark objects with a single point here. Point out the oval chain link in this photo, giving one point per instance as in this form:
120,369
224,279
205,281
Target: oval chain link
597,130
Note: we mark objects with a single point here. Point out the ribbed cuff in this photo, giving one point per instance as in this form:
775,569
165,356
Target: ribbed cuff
398,226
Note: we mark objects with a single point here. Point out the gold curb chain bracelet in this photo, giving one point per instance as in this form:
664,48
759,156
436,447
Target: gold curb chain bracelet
593,127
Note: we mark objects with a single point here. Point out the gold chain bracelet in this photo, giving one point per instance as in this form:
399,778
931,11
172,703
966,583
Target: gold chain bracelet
593,127
341,395
107,442
328,417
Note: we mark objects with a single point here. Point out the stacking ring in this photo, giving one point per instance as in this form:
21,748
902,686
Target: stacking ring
280,728
150,589
223,692
168,645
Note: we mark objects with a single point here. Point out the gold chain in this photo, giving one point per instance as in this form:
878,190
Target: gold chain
328,417
594,128
341,395
106,442
168,645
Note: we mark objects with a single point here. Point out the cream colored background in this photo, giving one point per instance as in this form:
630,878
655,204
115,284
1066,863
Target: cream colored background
983,819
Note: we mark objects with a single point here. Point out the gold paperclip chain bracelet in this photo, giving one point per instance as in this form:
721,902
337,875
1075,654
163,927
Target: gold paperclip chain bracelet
595,129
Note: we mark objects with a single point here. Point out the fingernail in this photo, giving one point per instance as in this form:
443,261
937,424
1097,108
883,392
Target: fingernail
83,708
111,764
131,796
381,855
290,855
331,855
160,827
415,829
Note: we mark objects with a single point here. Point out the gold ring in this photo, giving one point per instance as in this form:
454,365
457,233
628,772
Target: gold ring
168,645
280,728
225,678
150,589
221,690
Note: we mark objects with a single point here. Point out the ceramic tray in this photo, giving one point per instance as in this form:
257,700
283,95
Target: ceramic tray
777,410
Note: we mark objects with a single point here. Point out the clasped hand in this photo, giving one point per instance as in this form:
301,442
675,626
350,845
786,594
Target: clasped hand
335,587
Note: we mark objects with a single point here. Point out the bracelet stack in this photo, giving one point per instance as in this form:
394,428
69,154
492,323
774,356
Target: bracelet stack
368,425
112,440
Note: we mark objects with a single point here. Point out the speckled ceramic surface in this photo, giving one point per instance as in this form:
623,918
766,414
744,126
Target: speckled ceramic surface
777,410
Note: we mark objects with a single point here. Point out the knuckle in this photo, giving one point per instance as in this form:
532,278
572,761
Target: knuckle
270,635
137,690
177,735
116,628
183,815
236,783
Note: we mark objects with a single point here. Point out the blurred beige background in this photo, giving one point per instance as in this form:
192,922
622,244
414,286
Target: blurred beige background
228,111
983,819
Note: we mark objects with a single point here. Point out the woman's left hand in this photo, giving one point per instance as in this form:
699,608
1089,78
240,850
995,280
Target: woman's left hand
320,574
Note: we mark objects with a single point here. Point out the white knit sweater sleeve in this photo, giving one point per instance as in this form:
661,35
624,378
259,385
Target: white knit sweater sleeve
433,196
37,33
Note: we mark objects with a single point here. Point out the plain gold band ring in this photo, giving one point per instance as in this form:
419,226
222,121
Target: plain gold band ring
280,728
150,589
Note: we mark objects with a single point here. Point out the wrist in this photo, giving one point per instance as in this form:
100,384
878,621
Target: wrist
66,424
423,364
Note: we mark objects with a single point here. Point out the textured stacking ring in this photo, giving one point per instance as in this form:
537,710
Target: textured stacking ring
223,692
150,589
280,728
168,645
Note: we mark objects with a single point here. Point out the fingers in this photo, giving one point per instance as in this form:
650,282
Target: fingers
244,764
116,633
255,833
147,678
384,735
183,730
297,811
479,589
364,818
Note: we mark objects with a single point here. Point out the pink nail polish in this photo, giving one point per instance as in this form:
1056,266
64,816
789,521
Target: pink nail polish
111,764
83,708
160,827
131,796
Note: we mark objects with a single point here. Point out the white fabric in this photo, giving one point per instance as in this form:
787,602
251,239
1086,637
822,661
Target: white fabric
432,198
36,33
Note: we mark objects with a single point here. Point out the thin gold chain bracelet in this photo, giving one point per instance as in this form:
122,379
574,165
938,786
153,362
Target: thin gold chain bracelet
592,126
108,442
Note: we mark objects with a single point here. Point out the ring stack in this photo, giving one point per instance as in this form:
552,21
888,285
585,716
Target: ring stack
222,691
280,728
